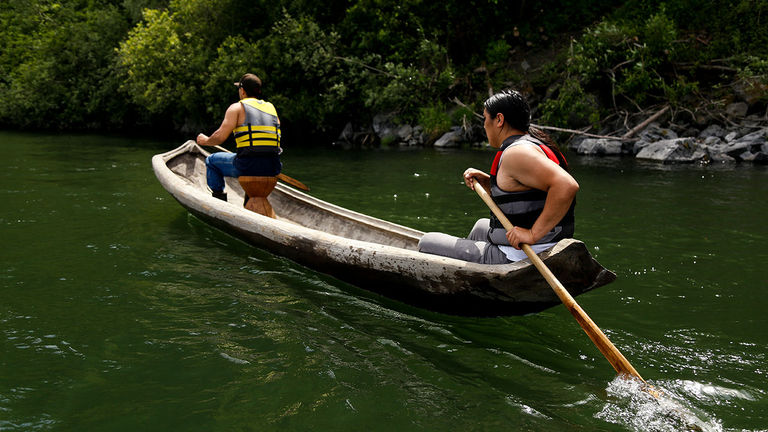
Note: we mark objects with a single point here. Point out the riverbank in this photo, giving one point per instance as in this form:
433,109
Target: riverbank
666,135
667,139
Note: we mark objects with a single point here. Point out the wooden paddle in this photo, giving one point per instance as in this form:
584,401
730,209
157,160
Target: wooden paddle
290,180
615,358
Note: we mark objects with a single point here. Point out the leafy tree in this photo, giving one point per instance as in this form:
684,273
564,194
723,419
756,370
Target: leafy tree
170,63
56,64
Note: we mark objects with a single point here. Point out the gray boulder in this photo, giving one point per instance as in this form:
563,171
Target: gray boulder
574,143
404,132
751,147
406,135
348,133
450,139
747,156
381,123
654,132
651,134
737,110
758,137
384,129
731,136
417,137
713,141
738,150
599,147
677,150
638,146
713,130
720,157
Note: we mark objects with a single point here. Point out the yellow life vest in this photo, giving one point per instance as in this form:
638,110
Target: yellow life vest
260,132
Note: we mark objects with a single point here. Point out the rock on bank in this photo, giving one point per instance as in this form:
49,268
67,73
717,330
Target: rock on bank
713,144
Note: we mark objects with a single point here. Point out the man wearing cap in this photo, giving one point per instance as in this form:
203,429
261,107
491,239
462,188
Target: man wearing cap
256,128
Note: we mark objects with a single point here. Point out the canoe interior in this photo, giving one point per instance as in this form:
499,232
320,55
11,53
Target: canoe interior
303,209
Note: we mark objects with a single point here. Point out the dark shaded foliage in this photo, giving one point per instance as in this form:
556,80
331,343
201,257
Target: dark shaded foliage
169,64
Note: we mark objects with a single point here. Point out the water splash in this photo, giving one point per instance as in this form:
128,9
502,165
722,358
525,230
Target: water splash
630,405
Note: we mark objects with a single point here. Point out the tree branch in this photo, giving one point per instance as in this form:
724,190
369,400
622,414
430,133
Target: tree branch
578,132
645,123
552,128
358,62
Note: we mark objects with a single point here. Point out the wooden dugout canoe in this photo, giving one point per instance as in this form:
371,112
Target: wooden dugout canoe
374,254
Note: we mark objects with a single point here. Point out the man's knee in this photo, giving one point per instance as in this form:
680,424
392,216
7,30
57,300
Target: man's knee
219,157
480,230
435,243
453,247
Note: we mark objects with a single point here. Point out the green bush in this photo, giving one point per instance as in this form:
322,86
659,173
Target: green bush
497,51
571,107
435,120
158,83
106,63
629,62
56,64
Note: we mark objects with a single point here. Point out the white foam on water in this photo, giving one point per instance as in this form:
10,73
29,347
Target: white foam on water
630,405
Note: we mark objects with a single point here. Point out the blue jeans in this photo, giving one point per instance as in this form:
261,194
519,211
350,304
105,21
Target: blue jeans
218,166
222,164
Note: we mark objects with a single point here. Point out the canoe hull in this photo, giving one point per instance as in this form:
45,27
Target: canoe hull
377,255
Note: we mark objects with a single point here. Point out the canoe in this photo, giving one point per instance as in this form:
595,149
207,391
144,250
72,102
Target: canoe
374,254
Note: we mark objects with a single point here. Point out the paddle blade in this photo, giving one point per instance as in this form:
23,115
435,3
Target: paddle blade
292,181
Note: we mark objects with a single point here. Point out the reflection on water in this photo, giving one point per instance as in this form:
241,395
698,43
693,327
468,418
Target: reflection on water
119,311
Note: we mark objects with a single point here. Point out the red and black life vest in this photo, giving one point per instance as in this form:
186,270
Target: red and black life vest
524,207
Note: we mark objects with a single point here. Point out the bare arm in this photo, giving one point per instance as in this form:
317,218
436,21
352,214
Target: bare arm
530,168
227,126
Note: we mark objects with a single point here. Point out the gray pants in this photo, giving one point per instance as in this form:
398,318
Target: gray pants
475,248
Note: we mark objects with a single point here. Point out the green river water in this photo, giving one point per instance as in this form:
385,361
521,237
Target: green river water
121,312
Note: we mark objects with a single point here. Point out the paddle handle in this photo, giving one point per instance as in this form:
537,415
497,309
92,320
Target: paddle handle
601,341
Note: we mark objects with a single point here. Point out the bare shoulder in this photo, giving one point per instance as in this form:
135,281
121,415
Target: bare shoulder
527,167
235,107
524,153
235,114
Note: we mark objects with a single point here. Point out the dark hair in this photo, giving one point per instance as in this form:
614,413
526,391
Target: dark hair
513,105
251,84
546,139
542,136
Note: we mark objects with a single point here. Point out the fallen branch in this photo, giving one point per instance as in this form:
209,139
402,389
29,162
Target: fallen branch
461,104
578,132
647,121
552,128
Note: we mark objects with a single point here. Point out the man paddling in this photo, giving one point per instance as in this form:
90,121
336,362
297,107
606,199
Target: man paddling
256,128
528,181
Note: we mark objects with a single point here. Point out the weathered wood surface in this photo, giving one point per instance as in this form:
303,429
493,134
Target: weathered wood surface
374,254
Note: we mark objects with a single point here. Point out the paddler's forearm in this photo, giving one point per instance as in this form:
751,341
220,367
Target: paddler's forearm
217,138
559,200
